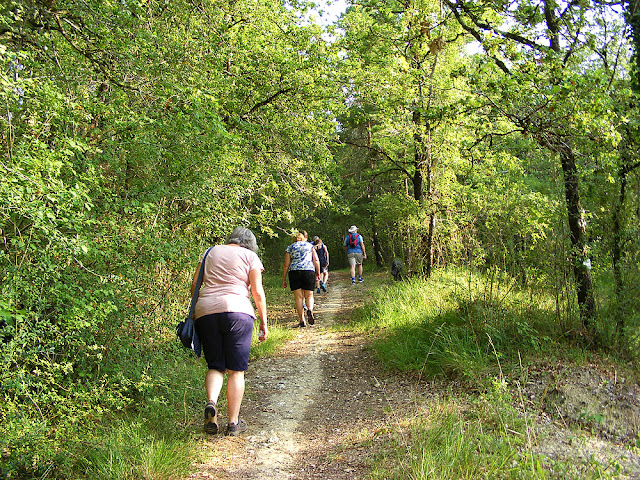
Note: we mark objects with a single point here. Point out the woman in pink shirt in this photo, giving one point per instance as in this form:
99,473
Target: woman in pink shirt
224,321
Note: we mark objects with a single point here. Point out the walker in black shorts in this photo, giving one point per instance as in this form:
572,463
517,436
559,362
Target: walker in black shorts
304,279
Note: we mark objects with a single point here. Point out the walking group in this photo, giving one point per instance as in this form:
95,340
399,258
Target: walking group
225,280
306,266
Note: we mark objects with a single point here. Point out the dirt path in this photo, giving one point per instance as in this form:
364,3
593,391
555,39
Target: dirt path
309,408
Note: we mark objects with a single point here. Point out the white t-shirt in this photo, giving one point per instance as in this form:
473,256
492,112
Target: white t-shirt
225,284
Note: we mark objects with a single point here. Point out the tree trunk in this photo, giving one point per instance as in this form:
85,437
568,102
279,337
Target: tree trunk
430,233
432,216
617,247
427,162
577,227
374,239
374,228
418,157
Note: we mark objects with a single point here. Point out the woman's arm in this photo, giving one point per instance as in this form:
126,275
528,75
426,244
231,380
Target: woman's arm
195,280
285,269
316,262
257,292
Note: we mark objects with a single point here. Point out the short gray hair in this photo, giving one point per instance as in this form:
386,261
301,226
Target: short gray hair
244,237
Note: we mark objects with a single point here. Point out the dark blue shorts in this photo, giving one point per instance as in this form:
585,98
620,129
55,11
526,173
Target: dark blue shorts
304,279
226,340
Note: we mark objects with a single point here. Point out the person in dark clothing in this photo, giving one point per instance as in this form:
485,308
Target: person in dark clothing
323,258
396,269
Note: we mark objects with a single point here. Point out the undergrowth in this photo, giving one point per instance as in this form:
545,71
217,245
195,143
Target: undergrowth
446,326
118,397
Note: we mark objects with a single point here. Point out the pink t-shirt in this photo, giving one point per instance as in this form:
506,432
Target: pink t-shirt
225,285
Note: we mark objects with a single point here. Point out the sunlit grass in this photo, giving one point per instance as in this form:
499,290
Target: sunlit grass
130,451
278,336
279,300
452,325
462,437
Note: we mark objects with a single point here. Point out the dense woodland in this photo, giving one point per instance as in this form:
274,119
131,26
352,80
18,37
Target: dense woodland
499,136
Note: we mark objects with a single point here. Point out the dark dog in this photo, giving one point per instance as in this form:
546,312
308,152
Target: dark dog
396,269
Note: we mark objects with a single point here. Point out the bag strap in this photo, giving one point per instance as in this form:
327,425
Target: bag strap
198,284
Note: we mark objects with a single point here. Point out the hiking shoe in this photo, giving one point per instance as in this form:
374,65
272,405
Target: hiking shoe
310,317
211,418
302,324
360,279
353,281
234,429
318,290
324,288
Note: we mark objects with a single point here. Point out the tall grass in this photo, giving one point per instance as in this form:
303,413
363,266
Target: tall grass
452,326
447,443
131,451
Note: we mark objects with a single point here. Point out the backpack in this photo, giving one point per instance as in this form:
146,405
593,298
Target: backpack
353,240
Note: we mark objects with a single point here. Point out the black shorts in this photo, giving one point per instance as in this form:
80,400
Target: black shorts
304,279
226,340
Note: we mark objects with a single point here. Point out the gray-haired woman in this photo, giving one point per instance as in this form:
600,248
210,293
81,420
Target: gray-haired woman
224,321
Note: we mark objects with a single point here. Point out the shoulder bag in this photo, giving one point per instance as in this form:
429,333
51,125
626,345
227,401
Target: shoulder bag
186,330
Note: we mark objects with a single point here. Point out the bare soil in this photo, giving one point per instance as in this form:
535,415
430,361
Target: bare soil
323,406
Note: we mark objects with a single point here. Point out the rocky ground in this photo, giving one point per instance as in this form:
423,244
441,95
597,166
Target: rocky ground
321,408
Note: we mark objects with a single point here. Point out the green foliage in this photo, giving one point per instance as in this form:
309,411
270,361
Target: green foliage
400,132
135,134
132,137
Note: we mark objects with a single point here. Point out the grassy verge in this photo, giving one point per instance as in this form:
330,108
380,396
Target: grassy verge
449,327
454,327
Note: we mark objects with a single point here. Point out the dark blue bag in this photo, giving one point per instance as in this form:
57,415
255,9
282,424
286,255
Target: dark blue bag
186,330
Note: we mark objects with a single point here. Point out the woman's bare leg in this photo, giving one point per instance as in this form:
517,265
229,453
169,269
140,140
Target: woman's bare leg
235,392
308,297
213,384
298,296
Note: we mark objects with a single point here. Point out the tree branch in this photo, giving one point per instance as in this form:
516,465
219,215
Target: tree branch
475,34
267,101
382,153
